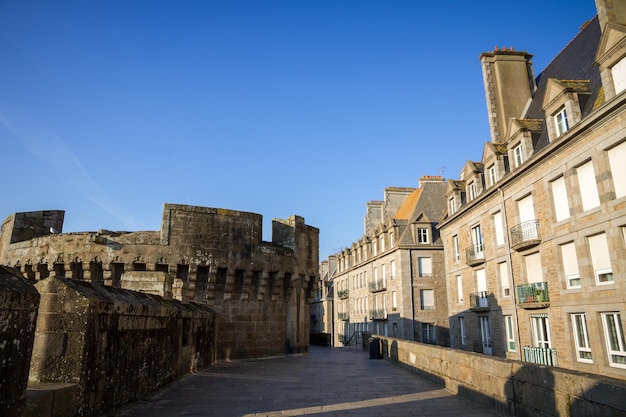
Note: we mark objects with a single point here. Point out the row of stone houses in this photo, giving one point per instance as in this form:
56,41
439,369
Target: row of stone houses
525,257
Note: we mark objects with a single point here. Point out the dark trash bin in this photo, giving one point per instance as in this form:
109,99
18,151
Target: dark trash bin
375,348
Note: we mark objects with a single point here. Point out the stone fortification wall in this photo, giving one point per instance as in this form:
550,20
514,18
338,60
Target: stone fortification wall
514,387
114,345
19,301
206,255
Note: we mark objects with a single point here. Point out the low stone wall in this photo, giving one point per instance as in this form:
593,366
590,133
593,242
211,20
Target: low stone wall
517,388
19,301
115,345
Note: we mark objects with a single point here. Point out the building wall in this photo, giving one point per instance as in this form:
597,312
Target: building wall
19,302
212,256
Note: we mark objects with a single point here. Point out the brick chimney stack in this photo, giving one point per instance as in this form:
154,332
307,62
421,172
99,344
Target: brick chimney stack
509,84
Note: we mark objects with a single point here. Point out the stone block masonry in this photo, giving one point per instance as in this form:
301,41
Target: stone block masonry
19,301
99,347
516,388
211,256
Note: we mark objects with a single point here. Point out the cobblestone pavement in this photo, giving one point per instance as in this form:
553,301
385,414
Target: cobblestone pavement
327,382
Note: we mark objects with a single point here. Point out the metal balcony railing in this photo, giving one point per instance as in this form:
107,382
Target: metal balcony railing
474,255
379,285
479,301
378,315
533,295
343,316
540,356
343,294
525,235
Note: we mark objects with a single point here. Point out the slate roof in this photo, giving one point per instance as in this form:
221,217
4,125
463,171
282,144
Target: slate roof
574,62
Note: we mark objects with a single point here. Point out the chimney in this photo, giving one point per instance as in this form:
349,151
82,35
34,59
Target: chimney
611,11
509,84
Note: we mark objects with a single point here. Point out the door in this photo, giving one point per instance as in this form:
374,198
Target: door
485,334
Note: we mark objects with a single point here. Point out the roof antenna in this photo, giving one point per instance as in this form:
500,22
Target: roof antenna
442,170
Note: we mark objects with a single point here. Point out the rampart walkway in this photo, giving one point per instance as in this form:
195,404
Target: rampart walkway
327,382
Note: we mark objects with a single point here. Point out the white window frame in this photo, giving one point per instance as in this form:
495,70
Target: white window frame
426,296
394,301
452,205
618,73
422,235
588,186
393,269
511,345
518,155
425,266
617,160
614,337
459,289
561,123
570,265
600,259
456,248
471,190
581,338
428,330
559,196
492,174
541,331
477,238
499,228
503,269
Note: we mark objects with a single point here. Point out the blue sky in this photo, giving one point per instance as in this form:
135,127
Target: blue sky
108,109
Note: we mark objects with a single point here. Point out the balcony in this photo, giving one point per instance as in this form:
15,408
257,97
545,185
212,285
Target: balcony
378,315
533,295
343,294
540,356
525,235
474,255
376,286
479,301
343,316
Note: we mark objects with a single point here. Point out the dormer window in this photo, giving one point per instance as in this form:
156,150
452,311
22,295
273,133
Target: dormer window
560,122
452,205
472,190
492,175
618,72
518,155
422,235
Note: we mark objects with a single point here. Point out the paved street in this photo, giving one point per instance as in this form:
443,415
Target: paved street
327,382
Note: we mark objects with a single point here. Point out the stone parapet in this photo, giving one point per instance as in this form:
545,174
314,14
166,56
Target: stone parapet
19,301
114,345
516,388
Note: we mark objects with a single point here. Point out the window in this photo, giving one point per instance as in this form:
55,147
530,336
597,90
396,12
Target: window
587,185
383,271
534,269
559,197
560,122
581,338
497,222
463,330
518,155
471,187
541,331
422,235
570,265
492,175
526,209
459,288
393,269
619,76
617,159
375,246
614,334
510,334
452,205
425,267
392,241
456,248
394,301
504,279
428,333
477,240
600,259
427,299
382,243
